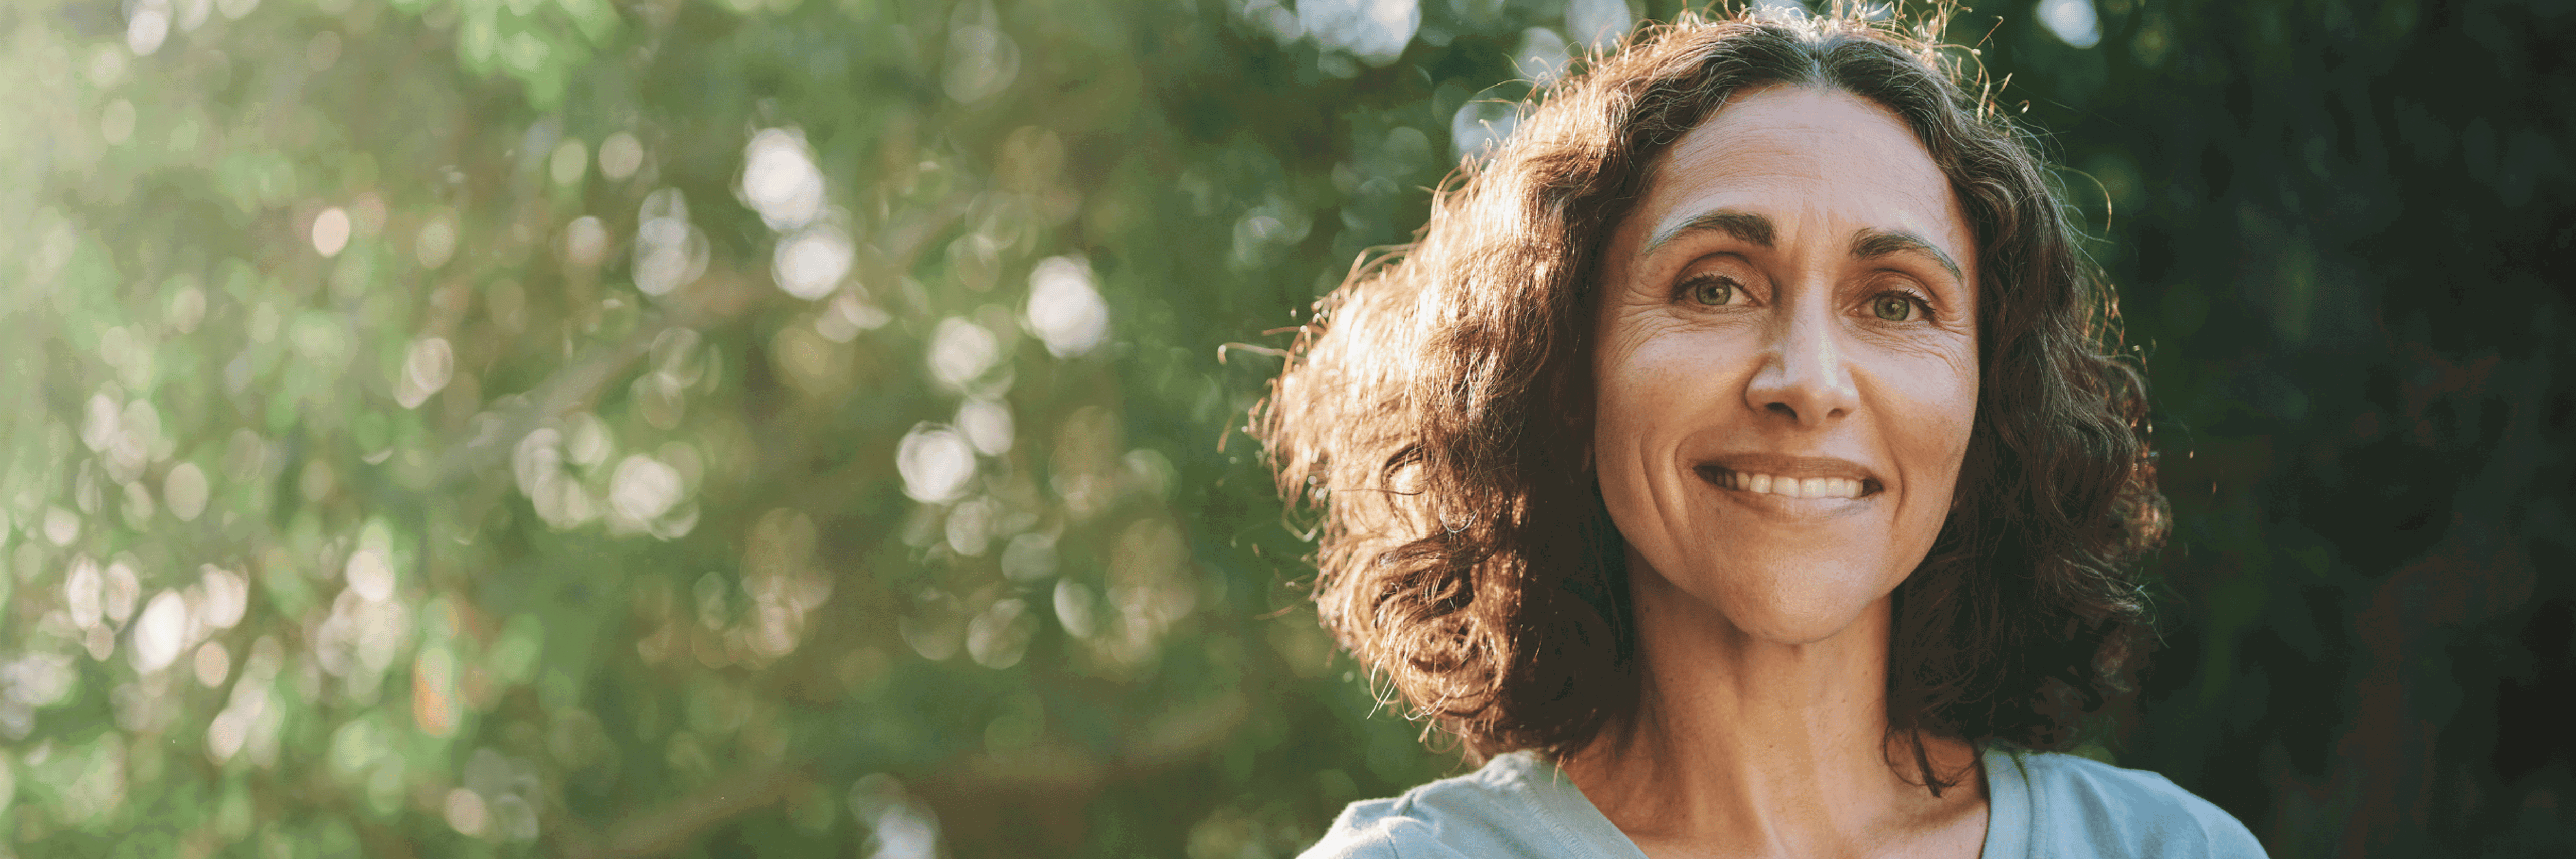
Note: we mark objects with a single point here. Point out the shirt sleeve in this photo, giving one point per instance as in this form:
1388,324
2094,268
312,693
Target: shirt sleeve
1380,830
2093,809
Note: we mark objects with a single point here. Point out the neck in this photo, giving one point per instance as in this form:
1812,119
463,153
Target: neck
1739,746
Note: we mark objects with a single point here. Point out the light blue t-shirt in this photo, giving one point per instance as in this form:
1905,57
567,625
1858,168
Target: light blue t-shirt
2039,805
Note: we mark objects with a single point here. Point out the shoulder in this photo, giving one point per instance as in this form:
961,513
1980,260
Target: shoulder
1502,810
2085,807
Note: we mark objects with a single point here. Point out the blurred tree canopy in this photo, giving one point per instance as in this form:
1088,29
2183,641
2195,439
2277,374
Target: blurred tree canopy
806,427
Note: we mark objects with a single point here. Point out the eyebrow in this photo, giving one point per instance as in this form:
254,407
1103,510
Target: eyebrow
1869,243
1744,226
1873,243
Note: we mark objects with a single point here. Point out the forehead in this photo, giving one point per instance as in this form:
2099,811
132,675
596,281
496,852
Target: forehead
1803,155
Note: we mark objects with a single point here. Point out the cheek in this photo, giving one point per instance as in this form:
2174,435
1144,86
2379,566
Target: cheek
1627,378
1622,427
1932,422
1650,394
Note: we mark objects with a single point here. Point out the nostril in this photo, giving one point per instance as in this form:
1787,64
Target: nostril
1783,410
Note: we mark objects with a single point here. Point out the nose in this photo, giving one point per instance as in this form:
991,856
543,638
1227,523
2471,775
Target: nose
1804,377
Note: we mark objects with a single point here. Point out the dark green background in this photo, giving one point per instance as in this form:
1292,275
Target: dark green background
2338,228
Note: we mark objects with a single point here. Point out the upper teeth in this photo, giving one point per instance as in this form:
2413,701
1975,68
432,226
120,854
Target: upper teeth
1812,487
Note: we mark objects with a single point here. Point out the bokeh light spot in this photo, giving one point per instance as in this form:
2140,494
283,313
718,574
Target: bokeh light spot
161,633
999,634
213,664
642,490
1065,310
779,179
2073,21
620,156
426,370
184,489
369,574
227,597
936,463
1374,30
331,231
81,592
961,351
147,26
568,162
810,263
464,811
670,252
585,242
982,60
987,424
1598,24
437,242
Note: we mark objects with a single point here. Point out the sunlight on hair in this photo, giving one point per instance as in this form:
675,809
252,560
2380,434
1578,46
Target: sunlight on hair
1542,55
1481,125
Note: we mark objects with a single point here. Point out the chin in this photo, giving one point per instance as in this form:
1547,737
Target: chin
1763,605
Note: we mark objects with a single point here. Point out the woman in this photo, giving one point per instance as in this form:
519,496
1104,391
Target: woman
1734,464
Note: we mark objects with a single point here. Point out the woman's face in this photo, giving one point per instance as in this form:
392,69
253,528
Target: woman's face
1786,362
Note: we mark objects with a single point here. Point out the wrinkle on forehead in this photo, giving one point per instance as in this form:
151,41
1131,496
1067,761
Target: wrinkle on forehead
1767,136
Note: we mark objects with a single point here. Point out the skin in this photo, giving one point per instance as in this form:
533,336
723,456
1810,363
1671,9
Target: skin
1794,295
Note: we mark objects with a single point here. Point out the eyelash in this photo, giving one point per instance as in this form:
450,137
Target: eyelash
1921,304
1684,292
1689,285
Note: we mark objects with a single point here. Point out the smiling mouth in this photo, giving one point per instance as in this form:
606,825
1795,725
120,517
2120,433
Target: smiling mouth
1788,487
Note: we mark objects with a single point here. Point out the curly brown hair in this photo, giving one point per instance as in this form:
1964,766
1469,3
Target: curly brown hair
1436,412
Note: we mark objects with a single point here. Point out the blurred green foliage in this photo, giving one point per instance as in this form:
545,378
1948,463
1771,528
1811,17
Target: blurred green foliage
800,427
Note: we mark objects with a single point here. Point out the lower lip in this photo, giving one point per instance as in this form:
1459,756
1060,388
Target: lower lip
1798,508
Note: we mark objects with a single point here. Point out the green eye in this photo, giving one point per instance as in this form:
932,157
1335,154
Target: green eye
1713,291
1893,308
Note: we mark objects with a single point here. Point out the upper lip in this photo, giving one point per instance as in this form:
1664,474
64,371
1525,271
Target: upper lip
1802,467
